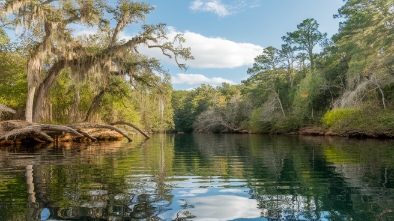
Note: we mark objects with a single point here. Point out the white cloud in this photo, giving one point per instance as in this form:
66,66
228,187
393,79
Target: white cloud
221,9
193,192
223,207
231,191
215,6
84,31
208,52
215,52
196,79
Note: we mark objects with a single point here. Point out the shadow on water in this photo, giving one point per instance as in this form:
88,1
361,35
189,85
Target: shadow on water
200,177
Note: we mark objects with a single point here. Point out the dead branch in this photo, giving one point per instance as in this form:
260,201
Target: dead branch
131,125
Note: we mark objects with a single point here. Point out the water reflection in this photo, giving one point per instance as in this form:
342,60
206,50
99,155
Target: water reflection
200,177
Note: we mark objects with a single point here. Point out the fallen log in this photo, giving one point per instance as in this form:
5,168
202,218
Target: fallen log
131,125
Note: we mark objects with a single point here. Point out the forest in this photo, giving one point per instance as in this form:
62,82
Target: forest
342,85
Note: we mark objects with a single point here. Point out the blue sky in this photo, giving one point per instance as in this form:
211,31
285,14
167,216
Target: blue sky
225,35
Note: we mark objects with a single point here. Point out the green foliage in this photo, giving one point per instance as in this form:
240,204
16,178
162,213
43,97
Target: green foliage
13,84
306,37
189,104
276,124
207,108
4,40
294,86
306,99
257,124
368,121
61,98
336,115
71,101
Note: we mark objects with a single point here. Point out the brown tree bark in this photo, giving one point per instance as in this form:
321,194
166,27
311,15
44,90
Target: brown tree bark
133,126
95,104
43,89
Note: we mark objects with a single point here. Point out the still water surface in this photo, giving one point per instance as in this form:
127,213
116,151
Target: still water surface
201,177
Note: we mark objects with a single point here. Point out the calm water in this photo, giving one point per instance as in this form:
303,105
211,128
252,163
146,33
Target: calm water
201,177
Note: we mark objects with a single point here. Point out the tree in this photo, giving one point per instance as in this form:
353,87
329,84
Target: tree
50,52
365,38
288,58
269,77
229,119
306,38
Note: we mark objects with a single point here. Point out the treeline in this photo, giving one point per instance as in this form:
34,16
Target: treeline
345,84
347,87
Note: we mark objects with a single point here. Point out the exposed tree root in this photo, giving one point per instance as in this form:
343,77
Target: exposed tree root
25,133
131,125
78,126
6,109
21,131
38,132
86,134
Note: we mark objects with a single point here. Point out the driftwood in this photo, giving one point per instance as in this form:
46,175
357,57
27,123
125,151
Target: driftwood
131,125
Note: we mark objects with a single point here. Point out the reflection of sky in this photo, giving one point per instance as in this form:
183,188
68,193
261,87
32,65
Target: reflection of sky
216,199
223,207
208,199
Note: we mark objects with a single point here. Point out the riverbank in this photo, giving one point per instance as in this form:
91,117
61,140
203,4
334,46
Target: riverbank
351,133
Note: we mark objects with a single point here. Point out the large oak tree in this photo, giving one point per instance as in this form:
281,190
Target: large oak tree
46,29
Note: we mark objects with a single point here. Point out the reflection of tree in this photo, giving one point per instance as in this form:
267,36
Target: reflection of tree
95,182
308,177
295,190
290,178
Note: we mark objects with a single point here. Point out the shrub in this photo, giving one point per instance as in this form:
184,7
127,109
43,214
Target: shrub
336,115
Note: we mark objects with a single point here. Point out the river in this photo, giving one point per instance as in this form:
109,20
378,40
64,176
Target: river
208,177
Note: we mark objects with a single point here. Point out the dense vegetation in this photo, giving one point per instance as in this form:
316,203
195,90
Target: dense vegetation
345,83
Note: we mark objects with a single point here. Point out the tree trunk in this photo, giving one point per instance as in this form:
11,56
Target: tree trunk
381,92
95,104
43,89
29,104
280,103
310,52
